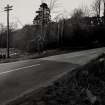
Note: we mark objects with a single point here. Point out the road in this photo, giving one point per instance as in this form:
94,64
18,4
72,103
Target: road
19,77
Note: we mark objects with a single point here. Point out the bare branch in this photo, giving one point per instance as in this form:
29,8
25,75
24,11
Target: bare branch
96,7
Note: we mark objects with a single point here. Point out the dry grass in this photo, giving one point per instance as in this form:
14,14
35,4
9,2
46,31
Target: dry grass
17,55
86,86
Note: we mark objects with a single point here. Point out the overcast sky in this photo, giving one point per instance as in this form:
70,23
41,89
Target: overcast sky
24,10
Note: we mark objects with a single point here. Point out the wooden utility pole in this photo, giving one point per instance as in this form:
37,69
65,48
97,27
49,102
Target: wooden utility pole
8,9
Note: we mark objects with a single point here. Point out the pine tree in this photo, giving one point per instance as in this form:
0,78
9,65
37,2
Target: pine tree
42,19
43,15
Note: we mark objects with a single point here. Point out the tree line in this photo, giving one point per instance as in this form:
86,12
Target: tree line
79,31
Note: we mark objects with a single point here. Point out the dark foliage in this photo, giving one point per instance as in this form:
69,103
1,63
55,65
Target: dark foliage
80,34
75,88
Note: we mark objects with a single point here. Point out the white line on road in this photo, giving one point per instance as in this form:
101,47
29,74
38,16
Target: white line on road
19,69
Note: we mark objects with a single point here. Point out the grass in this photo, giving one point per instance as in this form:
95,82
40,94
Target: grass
17,55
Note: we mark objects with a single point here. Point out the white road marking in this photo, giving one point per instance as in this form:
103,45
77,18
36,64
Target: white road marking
26,61
19,69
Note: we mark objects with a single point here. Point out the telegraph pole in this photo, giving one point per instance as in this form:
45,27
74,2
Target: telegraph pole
8,9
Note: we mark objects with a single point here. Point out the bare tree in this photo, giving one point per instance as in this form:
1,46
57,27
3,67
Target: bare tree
53,4
60,20
77,15
104,10
13,26
96,8
85,10
76,19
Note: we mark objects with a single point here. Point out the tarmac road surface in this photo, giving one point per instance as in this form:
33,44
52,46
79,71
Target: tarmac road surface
18,77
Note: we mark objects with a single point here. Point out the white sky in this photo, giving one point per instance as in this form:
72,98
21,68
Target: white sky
24,10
